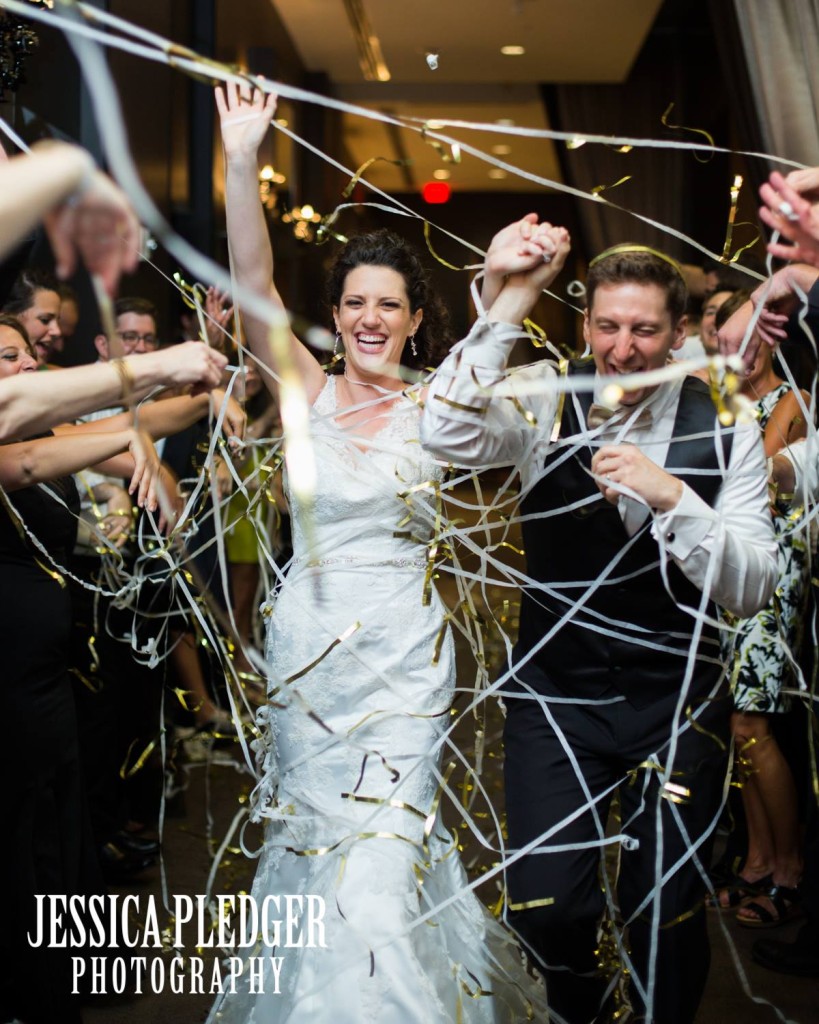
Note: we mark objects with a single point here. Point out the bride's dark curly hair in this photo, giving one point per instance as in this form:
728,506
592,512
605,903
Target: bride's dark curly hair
384,249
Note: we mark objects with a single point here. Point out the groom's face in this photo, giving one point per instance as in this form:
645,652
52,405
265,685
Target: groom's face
629,330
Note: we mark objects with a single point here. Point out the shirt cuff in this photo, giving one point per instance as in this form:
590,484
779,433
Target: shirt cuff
684,527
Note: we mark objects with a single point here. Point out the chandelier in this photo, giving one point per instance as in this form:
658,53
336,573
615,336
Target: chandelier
17,40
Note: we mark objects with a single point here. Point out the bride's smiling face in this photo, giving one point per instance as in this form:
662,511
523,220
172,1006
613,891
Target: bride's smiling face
374,319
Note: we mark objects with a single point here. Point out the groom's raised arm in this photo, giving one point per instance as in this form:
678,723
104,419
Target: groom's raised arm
464,421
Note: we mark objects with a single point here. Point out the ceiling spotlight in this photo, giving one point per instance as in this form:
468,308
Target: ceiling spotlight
513,51
441,174
505,122
432,61
497,173
502,149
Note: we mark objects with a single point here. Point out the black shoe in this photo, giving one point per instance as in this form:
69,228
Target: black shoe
131,843
119,864
800,957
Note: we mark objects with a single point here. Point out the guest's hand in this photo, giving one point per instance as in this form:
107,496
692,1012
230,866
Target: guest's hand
100,226
770,330
190,363
146,470
223,478
624,466
234,421
117,521
806,182
787,211
218,318
782,292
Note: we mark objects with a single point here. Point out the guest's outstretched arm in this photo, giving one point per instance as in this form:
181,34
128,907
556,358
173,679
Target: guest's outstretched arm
32,402
84,212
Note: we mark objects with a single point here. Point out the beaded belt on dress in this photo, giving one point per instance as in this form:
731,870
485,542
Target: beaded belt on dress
400,563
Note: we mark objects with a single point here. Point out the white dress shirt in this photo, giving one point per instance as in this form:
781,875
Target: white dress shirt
476,415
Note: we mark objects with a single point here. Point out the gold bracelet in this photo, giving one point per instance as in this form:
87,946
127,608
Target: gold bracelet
126,378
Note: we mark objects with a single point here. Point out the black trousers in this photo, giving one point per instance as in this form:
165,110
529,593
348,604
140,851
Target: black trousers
118,710
556,899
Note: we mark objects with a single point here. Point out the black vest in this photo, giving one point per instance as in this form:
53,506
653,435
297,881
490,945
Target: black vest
569,546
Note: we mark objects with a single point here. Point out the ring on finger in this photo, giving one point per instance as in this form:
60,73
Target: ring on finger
787,210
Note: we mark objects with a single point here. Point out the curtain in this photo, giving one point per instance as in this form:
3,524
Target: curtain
781,43
655,188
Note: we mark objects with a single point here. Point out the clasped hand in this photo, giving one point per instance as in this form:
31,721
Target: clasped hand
524,257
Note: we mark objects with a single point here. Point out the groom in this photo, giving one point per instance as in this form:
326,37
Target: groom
639,515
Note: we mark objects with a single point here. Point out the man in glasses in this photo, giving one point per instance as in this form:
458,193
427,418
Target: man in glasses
136,328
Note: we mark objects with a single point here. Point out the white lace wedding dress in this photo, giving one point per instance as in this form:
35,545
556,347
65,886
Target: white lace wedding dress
350,761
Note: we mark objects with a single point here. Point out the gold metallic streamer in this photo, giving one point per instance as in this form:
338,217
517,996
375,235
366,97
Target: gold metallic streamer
458,405
527,414
433,811
435,255
348,190
125,772
338,640
536,334
450,154
193,295
382,802
683,128
692,721
596,191
736,188
563,370
547,901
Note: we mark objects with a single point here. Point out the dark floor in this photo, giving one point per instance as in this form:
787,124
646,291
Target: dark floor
738,990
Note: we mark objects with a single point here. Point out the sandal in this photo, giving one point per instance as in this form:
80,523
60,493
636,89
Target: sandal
738,890
786,904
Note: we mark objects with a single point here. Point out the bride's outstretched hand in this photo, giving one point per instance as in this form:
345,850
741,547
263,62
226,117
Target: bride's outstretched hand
244,118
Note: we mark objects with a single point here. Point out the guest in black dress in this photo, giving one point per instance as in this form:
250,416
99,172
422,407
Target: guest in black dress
47,846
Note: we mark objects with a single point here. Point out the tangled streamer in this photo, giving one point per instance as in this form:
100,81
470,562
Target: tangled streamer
468,528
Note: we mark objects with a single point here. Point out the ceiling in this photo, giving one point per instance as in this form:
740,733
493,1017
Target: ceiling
564,41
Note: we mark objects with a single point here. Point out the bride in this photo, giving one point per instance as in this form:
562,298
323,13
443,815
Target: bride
361,676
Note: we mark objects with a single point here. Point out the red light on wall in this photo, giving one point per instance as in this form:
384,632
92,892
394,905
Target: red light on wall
436,192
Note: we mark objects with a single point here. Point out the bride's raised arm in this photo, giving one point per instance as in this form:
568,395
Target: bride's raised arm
245,120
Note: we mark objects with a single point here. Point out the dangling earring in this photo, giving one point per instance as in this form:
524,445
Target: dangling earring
413,346
337,344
